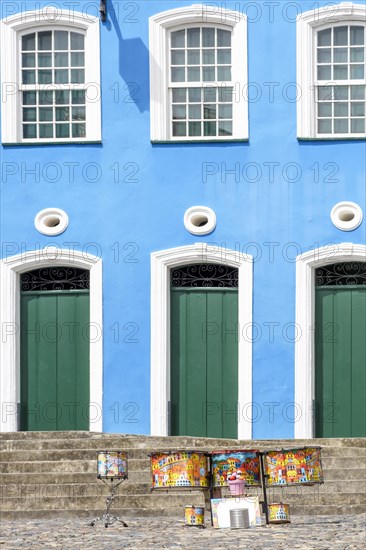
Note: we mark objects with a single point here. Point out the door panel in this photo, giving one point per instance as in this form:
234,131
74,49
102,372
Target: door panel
340,361
204,362
54,361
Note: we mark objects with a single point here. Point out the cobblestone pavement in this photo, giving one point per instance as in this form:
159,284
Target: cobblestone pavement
306,532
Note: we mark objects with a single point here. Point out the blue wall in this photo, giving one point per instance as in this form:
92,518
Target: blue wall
124,217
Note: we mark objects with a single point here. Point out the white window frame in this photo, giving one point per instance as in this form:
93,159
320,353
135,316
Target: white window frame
159,27
308,23
161,264
11,29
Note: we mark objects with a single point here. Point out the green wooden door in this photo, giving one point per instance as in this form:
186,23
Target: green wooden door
340,361
204,362
54,360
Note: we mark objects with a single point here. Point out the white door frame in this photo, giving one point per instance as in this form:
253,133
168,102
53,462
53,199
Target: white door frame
305,319
161,264
10,270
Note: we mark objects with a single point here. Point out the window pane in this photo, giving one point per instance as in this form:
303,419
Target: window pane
29,42
45,40
325,92
193,74
61,76
324,109
324,126
45,97
28,77
77,41
223,57
340,92
178,57
225,128
341,109
28,60
340,72
357,109
324,72
29,131
357,54
29,98
44,77
208,57
29,115
194,128
357,125
194,111
324,37
324,55
178,75
62,130
62,113
340,126
194,95
62,59
45,131
225,94
179,112
62,97
179,129
178,39
78,97
340,36
224,73
357,92
340,55
77,59
193,57
179,95
208,37
225,111
45,113
61,40
357,36
210,94
77,76
209,111
209,128
223,38
78,113
357,72
208,74
78,130
44,60
193,38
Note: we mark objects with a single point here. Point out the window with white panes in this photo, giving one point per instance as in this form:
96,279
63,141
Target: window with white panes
201,87
53,81
340,80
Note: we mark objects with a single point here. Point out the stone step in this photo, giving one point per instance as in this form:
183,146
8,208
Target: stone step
65,466
84,477
27,491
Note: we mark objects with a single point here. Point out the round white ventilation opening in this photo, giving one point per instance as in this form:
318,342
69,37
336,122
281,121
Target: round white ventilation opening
51,221
199,220
346,215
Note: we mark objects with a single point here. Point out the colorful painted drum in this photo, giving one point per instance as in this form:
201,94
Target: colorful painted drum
279,513
194,515
112,464
180,469
294,466
230,465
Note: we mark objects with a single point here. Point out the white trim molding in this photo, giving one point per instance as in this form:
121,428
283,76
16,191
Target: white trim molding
10,270
47,18
161,264
305,318
307,23
197,14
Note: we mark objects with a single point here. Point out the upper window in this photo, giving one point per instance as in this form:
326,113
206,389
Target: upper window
198,75
50,78
331,72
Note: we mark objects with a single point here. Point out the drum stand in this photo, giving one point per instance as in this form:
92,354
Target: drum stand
107,517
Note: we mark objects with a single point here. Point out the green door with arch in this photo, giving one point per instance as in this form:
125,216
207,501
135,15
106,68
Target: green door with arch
204,351
340,350
54,351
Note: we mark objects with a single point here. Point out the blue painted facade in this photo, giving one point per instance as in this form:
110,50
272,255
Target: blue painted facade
126,198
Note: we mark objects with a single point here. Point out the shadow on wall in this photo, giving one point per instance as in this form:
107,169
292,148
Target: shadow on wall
132,54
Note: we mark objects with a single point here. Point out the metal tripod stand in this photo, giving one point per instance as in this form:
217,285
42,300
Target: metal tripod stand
107,517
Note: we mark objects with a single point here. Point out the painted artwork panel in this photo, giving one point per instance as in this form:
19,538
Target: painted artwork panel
239,464
294,466
221,510
180,469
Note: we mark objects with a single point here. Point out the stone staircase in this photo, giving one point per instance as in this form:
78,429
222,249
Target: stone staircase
48,474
